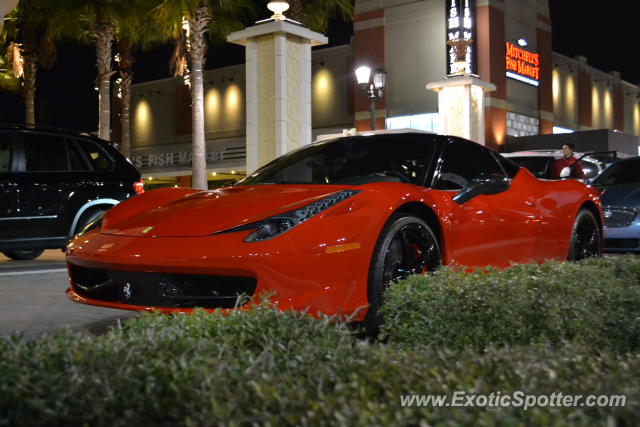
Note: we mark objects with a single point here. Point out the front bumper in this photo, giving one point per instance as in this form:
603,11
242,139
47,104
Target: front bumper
300,270
622,239
162,289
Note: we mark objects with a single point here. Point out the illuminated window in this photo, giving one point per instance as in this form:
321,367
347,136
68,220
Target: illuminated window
426,122
558,129
521,125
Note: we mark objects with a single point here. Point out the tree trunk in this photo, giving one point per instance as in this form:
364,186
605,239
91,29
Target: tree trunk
125,119
30,69
197,47
125,65
103,36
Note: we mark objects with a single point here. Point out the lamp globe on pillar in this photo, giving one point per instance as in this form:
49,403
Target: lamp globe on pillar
278,7
372,86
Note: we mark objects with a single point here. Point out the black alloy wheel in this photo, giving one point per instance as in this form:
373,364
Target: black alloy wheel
406,246
23,255
586,237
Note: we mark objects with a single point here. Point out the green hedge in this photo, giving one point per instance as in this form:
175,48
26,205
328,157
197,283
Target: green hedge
271,368
265,367
595,302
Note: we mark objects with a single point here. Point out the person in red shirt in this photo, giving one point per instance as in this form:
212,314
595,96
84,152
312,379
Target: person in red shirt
569,161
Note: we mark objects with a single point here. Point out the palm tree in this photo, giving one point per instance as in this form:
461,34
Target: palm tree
8,80
93,21
30,47
189,21
132,30
315,14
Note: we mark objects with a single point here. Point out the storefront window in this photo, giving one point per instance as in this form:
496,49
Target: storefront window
426,122
521,125
558,129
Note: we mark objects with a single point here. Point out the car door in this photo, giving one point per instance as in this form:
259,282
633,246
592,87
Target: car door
8,188
44,184
494,229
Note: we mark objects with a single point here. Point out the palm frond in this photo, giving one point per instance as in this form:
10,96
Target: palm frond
178,65
317,13
15,62
8,81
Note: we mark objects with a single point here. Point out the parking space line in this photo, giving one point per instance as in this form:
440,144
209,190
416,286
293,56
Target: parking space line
21,273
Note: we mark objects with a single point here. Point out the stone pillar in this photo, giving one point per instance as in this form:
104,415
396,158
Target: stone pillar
278,88
461,106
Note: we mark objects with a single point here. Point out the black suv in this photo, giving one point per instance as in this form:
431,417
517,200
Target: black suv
53,183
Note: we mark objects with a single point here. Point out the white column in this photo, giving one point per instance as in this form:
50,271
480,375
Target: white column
251,95
461,106
278,91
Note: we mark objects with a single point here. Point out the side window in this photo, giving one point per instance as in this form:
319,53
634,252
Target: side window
44,153
590,169
96,155
511,168
5,152
462,161
76,160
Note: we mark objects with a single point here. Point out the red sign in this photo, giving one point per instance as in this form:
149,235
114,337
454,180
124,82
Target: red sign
522,62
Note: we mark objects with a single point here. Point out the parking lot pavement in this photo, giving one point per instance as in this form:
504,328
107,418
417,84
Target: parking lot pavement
33,302
50,259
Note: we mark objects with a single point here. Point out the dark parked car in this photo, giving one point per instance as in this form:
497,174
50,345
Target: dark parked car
53,183
619,187
540,162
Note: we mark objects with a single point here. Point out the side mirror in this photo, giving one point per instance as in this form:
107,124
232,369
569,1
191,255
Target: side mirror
483,184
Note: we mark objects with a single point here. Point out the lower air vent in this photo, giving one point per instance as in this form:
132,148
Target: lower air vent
162,289
621,243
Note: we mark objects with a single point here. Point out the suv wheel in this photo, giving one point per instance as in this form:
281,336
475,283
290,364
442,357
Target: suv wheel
23,255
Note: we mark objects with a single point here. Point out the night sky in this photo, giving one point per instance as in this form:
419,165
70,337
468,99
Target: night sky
66,98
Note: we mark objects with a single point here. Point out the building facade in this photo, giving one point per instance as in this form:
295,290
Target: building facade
538,91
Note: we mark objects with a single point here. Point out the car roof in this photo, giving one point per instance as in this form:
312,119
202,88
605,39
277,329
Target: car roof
51,129
627,159
535,153
549,153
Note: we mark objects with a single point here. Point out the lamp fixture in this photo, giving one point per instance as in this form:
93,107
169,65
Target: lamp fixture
372,85
278,7
363,74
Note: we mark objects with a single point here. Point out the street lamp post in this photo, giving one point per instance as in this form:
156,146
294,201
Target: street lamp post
372,86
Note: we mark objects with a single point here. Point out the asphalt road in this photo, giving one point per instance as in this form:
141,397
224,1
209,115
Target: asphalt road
33,302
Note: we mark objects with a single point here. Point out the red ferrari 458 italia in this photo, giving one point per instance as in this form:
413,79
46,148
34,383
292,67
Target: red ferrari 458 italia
327,227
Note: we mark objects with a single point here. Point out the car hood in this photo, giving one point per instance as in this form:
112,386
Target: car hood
207,212
621,195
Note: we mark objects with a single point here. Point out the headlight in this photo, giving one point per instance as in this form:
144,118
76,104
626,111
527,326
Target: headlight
278,224
618,217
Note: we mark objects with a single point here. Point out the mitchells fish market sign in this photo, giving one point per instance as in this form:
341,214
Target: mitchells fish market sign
181,159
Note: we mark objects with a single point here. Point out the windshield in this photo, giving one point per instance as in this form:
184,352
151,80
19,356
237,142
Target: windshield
538,166
352,161
624,172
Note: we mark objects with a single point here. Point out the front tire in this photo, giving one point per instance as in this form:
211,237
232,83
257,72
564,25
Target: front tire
406,246
25,255
586,237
